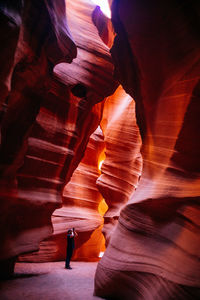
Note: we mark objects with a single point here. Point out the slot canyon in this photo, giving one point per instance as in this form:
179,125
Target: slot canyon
100,131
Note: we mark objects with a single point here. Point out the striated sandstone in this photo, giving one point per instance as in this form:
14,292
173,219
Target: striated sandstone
154,251
49,118
80,209
123,163
23,85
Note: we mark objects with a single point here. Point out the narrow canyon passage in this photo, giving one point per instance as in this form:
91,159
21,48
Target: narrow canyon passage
99,135
50,281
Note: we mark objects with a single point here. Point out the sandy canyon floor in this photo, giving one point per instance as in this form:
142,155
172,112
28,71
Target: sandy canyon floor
50,281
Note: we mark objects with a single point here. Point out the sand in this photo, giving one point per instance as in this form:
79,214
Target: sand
50,281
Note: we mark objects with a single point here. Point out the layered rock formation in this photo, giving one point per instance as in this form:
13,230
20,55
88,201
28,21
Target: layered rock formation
123,163
25,48
154,251
81,201
117,149
104,26
80,209
50,115
48,112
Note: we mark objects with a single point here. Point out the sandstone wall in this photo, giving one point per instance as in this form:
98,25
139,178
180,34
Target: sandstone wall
80,209
122,165
49,113
154,251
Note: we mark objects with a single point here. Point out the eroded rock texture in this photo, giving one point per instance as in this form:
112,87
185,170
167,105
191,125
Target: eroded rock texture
25,37
81,200
50,114
123,163
104,26
154,251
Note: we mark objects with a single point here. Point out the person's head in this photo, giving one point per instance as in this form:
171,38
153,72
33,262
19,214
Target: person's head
69,231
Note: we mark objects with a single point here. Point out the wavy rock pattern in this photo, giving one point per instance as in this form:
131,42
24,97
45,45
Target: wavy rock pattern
10,21
154,251
49,119
93,65
104,26
123,164
81,200
31,33
23,84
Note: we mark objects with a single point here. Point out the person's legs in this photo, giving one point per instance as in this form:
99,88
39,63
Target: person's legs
68,257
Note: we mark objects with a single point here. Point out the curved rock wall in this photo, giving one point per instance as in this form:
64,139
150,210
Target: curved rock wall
23,50
154,251
81,200
104,26
123,163
10,21
49,118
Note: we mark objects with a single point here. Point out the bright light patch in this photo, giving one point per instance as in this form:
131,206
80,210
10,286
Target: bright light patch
100,164
101,254
105,8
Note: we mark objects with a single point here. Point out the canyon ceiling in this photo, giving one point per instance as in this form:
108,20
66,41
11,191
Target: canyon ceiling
100,131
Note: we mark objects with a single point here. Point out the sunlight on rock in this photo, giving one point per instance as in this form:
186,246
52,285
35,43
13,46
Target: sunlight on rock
101,254
105,8
100,164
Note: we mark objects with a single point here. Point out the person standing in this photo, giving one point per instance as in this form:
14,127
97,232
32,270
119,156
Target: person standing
71,234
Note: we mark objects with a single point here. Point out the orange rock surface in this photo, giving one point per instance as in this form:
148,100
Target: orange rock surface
80,209
56,88
122,165
49,117
154,251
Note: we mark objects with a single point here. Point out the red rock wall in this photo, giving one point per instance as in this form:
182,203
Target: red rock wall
104,26
81,200
154,251
121,168
24,42
49,118
123,163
